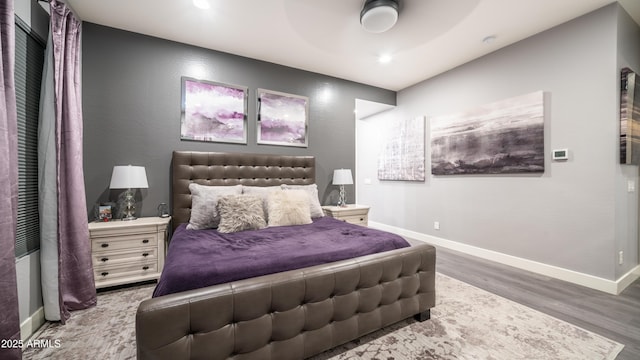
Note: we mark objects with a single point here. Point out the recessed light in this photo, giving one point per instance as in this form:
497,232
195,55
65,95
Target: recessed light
385,59
201,4
489,39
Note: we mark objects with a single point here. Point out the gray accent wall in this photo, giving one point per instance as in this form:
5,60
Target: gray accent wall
132,98
577,215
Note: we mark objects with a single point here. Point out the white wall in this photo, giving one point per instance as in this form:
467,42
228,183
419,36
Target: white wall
627,204
577,215
29,294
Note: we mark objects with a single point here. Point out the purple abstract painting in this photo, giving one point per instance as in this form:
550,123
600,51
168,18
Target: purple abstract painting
213,112
282,118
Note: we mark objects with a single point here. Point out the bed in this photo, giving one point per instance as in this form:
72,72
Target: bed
294,313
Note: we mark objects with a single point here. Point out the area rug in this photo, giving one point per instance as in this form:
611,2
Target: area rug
106,331
470,323
467,323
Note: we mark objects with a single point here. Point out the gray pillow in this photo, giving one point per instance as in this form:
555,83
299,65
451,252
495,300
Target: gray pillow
204,199
240,212
312,191
289,207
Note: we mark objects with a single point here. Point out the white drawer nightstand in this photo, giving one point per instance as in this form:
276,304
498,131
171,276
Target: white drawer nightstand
354,214
125,252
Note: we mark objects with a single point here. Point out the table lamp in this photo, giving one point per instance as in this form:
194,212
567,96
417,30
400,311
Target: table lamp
342,177
129,177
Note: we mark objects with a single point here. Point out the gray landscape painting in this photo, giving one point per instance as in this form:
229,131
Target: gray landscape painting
402,157
503,137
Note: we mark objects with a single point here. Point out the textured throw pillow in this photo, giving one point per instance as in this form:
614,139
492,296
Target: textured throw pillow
204,199
263,193
240,212
312,191
289,207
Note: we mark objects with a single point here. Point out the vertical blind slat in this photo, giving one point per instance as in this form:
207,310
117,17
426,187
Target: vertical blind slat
28,76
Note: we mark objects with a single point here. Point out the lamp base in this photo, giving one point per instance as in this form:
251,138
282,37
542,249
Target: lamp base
342,202
129,206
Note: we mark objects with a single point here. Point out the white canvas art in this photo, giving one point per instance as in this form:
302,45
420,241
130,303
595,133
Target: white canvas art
402,156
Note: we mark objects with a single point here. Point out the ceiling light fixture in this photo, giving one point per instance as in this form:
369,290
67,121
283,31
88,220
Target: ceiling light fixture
378,16
201,4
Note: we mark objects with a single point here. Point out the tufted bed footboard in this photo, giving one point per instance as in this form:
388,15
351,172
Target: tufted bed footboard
289,315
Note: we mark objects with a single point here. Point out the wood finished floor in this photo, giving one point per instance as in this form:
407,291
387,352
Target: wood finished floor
615,317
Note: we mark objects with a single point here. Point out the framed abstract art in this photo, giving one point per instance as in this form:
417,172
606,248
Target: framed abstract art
213,111
282,119
629,118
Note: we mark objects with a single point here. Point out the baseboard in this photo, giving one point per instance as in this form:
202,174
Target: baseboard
627,279
32,324
590,281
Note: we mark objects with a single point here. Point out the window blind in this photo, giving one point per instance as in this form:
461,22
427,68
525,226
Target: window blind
28,77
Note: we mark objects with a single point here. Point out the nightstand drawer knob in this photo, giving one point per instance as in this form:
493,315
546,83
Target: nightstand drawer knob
104,259
104,273
145,268
145,241
361,219
145,254
105,245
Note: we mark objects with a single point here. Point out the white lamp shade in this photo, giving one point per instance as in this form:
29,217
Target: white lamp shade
342,177
128,177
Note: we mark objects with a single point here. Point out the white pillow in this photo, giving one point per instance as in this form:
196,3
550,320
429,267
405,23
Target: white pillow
204,200
263,193
289,208
312,191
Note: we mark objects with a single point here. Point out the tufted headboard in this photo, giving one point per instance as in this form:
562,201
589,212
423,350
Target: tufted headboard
220,169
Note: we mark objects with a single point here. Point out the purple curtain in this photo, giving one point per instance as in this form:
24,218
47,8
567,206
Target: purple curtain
76,286
9,316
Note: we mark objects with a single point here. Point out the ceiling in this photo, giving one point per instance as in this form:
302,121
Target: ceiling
324,36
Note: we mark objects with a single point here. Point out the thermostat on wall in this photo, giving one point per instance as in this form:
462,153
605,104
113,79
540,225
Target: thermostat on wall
561,154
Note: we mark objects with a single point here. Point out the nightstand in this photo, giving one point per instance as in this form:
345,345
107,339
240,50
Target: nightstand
125,252
354,214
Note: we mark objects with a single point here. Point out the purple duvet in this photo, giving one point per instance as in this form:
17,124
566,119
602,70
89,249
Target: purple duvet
199,258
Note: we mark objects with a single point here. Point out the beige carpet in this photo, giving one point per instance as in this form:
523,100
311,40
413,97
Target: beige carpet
467,323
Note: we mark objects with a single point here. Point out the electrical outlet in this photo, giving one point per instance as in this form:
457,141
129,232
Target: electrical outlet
436,225
631,186
621,257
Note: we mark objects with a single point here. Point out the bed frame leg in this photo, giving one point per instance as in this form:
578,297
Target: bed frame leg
425,315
